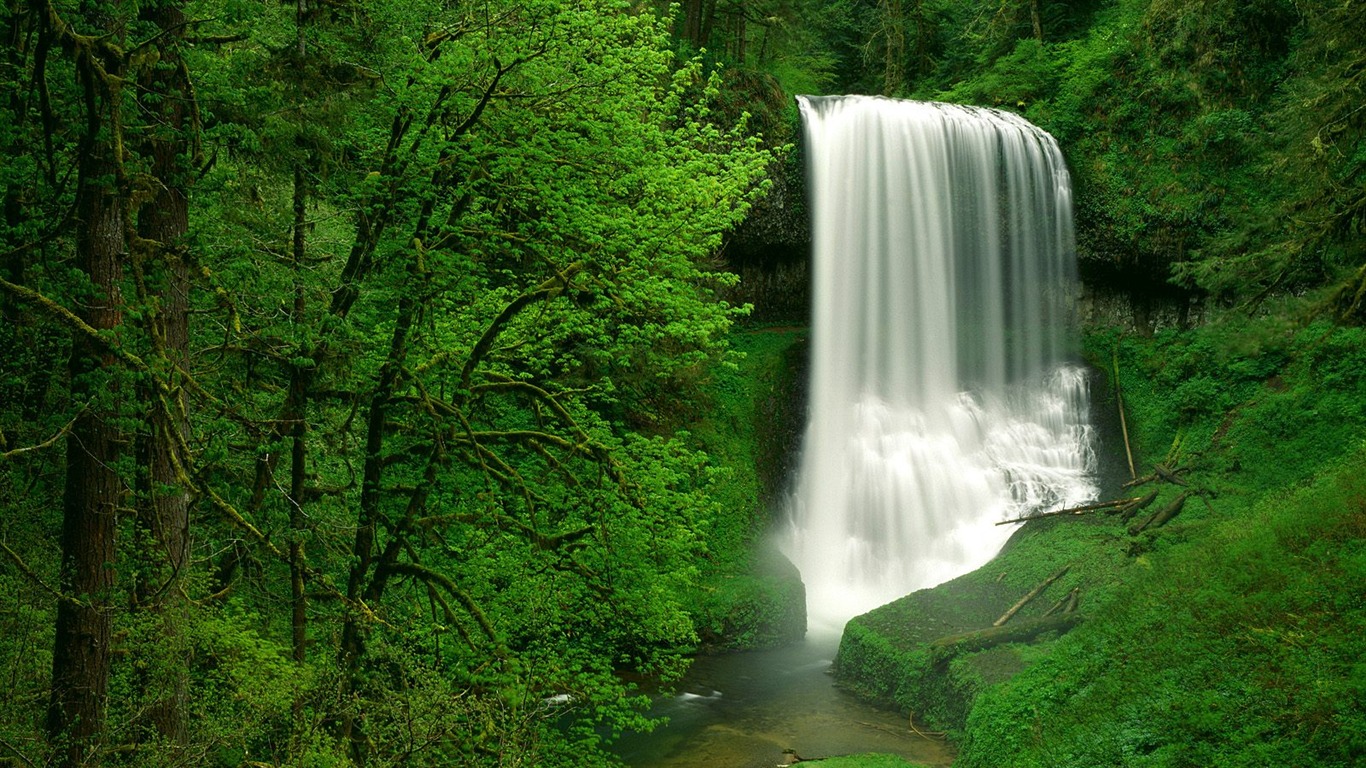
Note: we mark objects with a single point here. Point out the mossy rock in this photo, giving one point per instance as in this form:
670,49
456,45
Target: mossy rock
886,655
764,607
750,595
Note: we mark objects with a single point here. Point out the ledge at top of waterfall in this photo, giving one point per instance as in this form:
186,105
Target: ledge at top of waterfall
944,396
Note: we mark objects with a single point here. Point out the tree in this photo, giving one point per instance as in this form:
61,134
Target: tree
161,262
94,488
457,264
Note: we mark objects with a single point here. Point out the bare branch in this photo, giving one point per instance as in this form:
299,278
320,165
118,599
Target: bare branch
36,579
46,443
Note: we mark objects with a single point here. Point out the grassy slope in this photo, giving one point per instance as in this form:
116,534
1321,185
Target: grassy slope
1232,636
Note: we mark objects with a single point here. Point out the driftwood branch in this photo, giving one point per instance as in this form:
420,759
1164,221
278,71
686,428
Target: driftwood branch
1067,604
1129,510
1033,593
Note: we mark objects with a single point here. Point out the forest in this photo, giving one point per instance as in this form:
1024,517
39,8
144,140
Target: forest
379,384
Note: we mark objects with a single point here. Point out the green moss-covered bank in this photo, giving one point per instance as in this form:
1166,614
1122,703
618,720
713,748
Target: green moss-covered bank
1232,635
751,595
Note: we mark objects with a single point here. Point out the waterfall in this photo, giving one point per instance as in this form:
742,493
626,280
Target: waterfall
943,399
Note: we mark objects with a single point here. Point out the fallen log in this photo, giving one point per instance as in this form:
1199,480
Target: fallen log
1127,511
1099,506
1123,423
1170,475
1160,472
1162,516
944,649
1033,593
1068,604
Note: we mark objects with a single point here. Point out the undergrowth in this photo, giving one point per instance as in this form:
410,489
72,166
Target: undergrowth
750,596
1243,646
1232,636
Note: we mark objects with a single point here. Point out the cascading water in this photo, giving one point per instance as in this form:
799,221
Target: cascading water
942,401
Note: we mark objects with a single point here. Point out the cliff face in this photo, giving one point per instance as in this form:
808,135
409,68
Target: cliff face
771,251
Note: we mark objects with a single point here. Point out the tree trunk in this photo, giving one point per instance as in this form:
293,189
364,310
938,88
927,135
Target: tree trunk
296,413
692,21
944,649
924,29
362,583
706,22
894,50
94,489
740,34
165,514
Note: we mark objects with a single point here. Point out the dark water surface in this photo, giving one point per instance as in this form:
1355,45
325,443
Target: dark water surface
742,710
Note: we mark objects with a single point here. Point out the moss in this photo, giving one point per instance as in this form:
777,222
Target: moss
759,608
750,595
1231,636
884,654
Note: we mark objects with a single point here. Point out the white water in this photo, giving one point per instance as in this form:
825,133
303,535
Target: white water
942,400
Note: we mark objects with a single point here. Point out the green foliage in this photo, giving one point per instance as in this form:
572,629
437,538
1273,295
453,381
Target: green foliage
1231,636
453,293
1212,143
1240,648
750,596
1258,402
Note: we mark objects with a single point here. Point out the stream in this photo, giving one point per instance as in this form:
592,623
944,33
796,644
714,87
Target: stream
742,710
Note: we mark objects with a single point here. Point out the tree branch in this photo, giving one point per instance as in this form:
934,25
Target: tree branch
46,443
69,319
440,579
550,288
36,579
